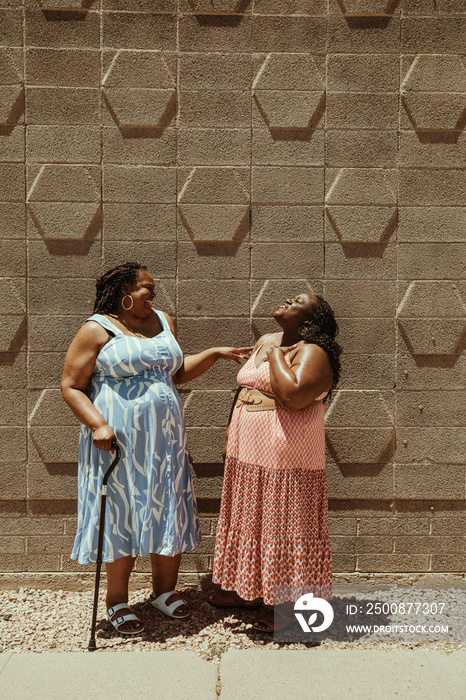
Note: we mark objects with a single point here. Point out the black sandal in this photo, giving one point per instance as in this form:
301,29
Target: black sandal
268,623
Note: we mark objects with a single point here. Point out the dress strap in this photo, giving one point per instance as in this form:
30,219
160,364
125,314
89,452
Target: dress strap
163,320
269,335
105,323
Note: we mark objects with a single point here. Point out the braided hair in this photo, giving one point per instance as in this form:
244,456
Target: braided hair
109,287
322,332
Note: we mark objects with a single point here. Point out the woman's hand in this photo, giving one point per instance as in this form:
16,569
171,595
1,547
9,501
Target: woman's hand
103,437
195,365
235,354
281,349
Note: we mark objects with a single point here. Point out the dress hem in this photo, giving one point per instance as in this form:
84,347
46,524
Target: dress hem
163,552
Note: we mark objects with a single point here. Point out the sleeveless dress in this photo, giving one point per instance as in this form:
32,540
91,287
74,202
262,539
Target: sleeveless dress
272,536
150,500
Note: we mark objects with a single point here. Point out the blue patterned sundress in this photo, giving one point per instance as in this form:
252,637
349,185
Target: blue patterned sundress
150,500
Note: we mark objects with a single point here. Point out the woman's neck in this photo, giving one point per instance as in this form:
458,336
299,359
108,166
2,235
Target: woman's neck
290,336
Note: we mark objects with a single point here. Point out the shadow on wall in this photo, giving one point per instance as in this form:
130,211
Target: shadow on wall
432,95
362,249
294,133
443,360
14,114
358,469
219,13
145,132
220,248
374,14
17,337
146,110
77,248
65,10
436,135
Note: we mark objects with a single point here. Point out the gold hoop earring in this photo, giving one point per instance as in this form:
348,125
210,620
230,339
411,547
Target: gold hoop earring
127,308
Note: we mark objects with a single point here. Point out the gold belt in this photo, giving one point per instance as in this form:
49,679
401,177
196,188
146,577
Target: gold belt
256,400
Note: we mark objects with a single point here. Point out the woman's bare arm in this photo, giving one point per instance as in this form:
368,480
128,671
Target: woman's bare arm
309,376
195,365
79,364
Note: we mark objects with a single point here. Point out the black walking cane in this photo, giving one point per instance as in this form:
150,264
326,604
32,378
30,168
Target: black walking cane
92,644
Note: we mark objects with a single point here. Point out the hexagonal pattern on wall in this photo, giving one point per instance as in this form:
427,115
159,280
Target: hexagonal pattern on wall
363,186
213,204
101,97
50,409
360,445
142,69
361,408
138,107
138,88
65,220
289,91
361,204
11,89
64,201
53,428
434,92
56,444
371,437
290,109
213,222
65,183
431,317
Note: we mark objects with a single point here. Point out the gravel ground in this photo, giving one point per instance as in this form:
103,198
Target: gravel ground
40,620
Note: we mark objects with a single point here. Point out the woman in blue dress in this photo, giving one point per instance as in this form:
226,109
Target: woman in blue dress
119,381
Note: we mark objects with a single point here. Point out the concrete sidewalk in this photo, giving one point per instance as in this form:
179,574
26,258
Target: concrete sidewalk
262,674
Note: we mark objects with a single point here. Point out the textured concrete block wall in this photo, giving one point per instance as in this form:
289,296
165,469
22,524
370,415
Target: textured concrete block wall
244,150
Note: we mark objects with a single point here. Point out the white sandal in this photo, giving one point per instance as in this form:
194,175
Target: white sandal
119,621
160,604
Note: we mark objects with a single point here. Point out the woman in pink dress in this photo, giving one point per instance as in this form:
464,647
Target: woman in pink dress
272,538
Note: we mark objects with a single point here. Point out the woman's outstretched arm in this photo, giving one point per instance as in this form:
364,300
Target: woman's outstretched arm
195,365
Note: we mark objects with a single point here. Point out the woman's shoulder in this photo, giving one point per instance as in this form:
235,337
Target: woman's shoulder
91,334
102,321
310,350
313,356
263,339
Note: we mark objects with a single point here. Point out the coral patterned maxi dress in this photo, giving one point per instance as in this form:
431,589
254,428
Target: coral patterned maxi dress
272,537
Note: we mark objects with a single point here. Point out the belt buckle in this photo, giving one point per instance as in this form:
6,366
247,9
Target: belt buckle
243,396
249,397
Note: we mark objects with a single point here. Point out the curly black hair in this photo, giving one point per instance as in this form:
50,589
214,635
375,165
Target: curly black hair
322,332
110,286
